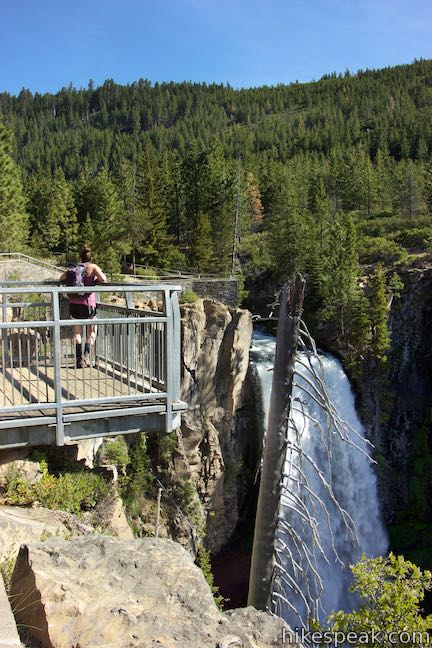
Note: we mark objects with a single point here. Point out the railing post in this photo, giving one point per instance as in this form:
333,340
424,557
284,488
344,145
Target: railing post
4,332
57,369
4,307
177,344
169,347
131,345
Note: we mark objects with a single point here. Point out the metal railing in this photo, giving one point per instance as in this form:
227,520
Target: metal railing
20,256
134,365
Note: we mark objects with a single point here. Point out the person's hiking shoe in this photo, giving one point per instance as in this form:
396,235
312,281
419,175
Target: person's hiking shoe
85,362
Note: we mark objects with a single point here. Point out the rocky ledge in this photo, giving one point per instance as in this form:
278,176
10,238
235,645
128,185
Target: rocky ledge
102,591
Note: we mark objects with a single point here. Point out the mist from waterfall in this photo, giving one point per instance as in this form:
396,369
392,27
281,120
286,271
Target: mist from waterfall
353,481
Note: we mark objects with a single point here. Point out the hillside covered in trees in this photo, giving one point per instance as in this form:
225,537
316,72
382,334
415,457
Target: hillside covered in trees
326,177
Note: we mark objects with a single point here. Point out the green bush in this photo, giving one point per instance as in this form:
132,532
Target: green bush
116,452
6,569
391,591
254,251
188,297
416,237
389,226
204,563
72,491
162,447
380,250
140,474
148,273
174,258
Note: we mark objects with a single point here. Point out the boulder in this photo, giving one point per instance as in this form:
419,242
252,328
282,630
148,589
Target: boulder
29,470
18,525
9,635
106,592
118,521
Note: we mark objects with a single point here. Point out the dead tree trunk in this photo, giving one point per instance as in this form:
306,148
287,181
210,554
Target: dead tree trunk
291,304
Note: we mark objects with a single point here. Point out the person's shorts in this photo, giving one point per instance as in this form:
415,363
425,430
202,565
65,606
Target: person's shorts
82,311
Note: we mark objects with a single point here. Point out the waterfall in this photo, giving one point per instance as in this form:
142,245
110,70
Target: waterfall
350,473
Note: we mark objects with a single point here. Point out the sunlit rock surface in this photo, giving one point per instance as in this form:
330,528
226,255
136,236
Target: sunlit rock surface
101,591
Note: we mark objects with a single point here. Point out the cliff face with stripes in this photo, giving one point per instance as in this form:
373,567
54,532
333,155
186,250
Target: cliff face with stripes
394,401
216,439
396,405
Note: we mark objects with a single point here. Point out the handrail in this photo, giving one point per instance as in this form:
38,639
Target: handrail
45,287
29,259
176,271
160,272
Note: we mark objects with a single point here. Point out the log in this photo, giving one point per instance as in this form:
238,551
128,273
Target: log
263,553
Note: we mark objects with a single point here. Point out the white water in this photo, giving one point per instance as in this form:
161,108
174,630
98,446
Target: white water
353,482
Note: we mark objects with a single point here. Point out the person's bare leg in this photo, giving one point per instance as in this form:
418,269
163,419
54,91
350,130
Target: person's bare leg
90,341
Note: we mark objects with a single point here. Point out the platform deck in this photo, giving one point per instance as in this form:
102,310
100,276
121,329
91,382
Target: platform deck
35,384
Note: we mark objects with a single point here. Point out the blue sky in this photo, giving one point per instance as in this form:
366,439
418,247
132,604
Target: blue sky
47,44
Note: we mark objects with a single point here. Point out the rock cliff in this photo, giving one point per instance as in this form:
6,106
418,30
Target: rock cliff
216,341
394,407
101,591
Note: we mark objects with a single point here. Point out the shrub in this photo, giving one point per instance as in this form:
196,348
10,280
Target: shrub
6,569
204,563
148,273
72,491
161,447
116,452
380,250
389,226
391,590
174,258
188,297
140,472
254,251
416,237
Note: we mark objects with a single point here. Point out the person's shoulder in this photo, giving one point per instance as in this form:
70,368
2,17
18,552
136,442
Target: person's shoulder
97,272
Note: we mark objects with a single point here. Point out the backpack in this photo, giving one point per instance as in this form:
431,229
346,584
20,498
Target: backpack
75,277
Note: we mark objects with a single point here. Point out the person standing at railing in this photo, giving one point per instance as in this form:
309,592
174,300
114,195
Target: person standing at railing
83,305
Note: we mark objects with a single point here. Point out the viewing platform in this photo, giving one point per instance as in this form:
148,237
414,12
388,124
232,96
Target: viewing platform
131,385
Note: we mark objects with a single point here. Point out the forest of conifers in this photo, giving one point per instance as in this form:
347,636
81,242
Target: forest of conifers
332,178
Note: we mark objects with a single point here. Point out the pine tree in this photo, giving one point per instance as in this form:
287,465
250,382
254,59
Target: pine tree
13,216
62,211
194,167
290,226
222,237
218,194
45,231
175,195
98,196
202,249
342,272
382,172
379,315
136,216
155,242
255,207
86,232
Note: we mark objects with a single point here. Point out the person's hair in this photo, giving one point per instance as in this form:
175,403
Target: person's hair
86,254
